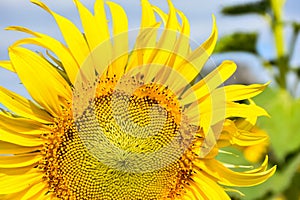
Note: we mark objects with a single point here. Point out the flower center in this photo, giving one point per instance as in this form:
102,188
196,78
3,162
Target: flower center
133,154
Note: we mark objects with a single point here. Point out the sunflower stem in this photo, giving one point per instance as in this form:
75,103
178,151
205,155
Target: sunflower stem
277,28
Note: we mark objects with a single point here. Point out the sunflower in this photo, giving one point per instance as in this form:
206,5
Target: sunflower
255,152
111,120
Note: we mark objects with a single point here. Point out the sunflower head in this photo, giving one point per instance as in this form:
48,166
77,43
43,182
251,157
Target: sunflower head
123,120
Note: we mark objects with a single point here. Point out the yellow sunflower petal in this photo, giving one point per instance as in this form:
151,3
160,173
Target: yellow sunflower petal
146,39
210,187
21,125
210,82
44,83
144,47
200,55
16,195
166,17
232,178
20,139
6,64
241,92
172,23
73,37
243,110
100,18
263,167
160,55
60,50
16,161
16,171
148,18
93,36
10,148
12,184
248,139
240,136
117,13
35,191
23,106
210,43
193,192
185,27
120,38
89,24
164,50
212,107
234,191
161,14
182,46
252,119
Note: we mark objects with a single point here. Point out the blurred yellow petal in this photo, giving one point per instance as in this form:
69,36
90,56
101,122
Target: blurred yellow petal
255,152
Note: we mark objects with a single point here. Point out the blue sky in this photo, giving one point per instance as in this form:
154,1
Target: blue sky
24,13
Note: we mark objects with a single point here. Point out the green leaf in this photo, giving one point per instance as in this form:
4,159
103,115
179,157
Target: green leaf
260,7
296,26
237,42
293,192
298,72
283,126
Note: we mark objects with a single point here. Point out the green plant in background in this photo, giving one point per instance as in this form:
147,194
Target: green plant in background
280,101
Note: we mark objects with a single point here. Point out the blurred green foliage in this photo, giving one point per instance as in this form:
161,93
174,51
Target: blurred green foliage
283,127
259,7
237,42
280,102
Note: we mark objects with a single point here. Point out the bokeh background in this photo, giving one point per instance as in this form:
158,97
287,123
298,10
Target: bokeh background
252,47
